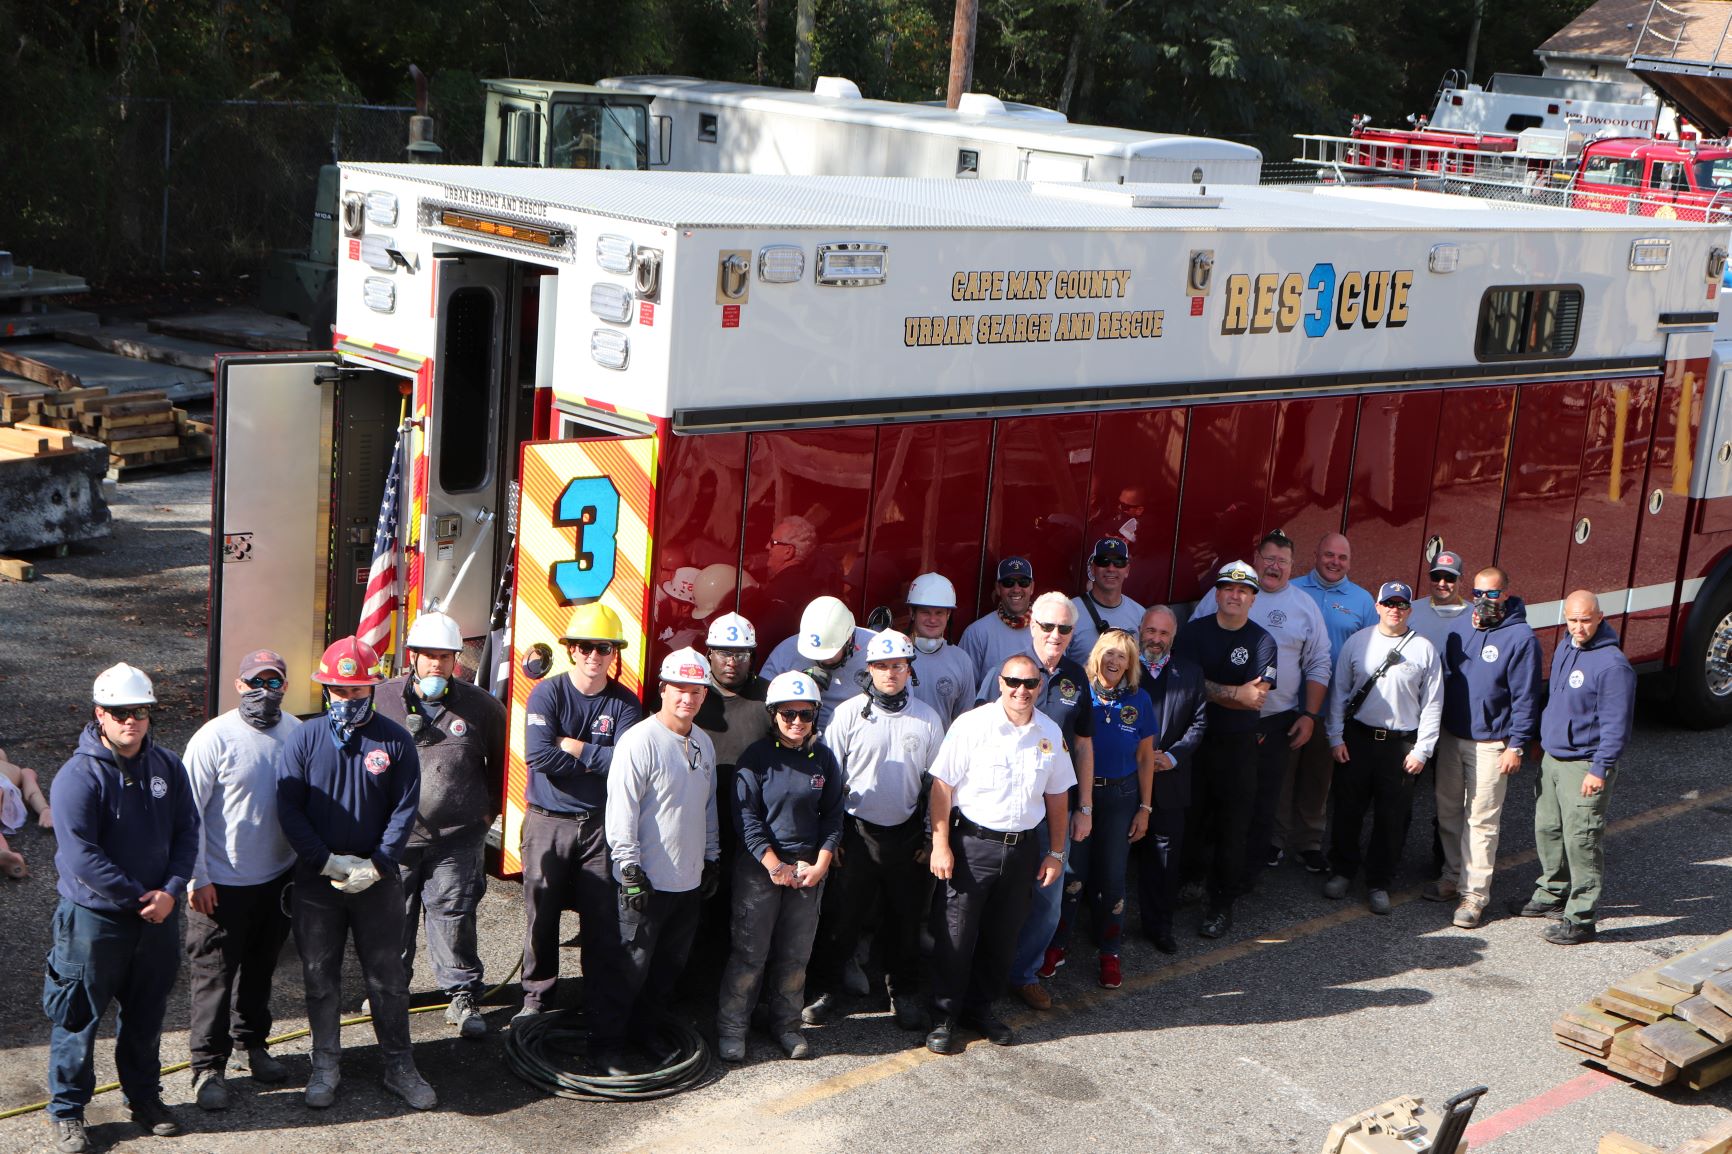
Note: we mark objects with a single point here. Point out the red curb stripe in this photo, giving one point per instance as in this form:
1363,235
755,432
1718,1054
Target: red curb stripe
1540,1105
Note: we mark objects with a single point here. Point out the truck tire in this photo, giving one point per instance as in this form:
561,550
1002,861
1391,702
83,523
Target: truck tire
1702,698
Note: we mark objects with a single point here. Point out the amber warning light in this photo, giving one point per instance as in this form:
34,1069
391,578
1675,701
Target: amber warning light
502,229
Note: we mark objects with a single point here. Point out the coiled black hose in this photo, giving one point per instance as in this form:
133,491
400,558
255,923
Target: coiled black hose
549,1051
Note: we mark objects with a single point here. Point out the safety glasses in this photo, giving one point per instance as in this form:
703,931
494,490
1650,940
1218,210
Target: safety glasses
1049,626
1020,682
605,648
141,712
797,716
265,682
1016,583
731,654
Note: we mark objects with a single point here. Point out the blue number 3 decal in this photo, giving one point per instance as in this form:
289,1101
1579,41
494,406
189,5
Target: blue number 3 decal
591,504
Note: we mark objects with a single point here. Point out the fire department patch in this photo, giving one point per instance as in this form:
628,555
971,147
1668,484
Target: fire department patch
347,667
159,787
602,726
817,781
1576,679
1045,745
459,727
1239,655
1128,714
1489,653
377,761
1067,690
1278,618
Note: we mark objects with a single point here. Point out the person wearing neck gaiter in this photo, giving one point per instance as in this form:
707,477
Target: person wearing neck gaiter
237,924
1002,632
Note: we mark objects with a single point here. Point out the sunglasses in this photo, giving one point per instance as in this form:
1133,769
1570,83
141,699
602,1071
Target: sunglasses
1488,594
1016,583
1020,682
605,648
1049,626
1445,578
265,682
1111,563
795,716
141,712
1400,606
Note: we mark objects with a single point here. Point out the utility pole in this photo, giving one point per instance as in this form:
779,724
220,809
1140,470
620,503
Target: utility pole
962,51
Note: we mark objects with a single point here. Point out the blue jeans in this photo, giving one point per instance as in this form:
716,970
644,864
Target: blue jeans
1043,917
1098,865
99,957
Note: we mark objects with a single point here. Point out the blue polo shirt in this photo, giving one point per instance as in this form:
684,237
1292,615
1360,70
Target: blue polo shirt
1120,726
1345,606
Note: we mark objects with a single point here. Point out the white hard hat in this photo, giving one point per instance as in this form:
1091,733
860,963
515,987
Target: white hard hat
731,631
826,627
435,630
122,685
685,667
792,686
932,590
889,646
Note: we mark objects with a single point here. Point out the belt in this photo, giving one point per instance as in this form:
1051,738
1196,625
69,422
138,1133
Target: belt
980,831
1380,734
562,816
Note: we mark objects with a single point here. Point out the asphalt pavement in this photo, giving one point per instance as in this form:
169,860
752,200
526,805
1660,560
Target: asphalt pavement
1309,1011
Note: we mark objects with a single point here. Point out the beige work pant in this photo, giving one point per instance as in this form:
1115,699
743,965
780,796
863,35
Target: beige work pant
1304,805
1469,807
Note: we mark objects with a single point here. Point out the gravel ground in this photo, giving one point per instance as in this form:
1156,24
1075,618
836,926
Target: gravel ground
1314,1010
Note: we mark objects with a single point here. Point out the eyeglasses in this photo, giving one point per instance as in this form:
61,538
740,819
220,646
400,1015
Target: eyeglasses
1275,559
797,716
1111,563
265,682
605,648
1049,626
1019,682
731,654
1016,583
141,712
1488,594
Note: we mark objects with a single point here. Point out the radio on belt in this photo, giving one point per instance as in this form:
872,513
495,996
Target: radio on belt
1406,1126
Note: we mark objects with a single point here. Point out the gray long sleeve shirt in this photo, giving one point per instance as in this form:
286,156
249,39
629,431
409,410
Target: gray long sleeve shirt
232,768
661,805
1409,695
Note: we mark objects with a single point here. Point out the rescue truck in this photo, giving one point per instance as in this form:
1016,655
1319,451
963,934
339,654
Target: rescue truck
614,386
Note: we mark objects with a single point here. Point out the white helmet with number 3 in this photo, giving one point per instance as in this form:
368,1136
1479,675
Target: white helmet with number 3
826,627
889,646
933,591
731,631
792,686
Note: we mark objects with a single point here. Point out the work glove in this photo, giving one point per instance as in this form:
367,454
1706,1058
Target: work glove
339,866
634,888
359,879
712,880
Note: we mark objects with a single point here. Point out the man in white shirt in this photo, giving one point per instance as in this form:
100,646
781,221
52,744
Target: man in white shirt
1385,710
1103,605
1001,771
238,923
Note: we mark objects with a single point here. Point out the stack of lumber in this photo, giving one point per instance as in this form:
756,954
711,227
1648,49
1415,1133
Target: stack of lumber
28,440
1715,1141
1666,1023
139,428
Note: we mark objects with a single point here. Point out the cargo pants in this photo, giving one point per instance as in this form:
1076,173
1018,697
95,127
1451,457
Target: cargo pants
1569,833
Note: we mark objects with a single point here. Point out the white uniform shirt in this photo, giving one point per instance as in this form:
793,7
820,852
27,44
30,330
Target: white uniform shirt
989,642
233,770
843,683
1000,774
1126,615
661,805
1408,696
1301,643
946,682
883,756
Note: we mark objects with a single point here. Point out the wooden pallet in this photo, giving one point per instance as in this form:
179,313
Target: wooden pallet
1715,1141
140,428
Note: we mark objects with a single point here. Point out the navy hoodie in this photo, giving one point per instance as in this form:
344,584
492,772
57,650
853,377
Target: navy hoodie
357,799
121,832
1593,702
1491,680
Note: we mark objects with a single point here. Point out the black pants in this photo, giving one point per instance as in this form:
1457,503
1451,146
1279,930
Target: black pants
324,919
980,913
1374,778
231,959
1157,859
878,869
566,867
1275,761
1224,795
654,946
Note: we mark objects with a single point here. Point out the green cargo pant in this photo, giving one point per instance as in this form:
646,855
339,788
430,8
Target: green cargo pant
1568,832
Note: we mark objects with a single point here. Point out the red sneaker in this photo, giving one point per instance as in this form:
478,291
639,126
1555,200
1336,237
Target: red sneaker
1110,977
1054,959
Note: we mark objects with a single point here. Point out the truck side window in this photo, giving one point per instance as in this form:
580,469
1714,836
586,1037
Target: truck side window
1669,176
707,126
463,406
1618,170
1522,121
1528,322
517,132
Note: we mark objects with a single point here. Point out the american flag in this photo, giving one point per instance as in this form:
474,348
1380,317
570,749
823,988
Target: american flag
381,599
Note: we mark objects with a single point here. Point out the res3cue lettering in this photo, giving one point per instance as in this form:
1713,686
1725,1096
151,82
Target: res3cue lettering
1316,301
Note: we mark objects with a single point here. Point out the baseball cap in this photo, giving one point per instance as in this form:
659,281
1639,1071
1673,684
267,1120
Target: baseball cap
263,661
1446,562
1013,567
1111,549
1394,591
1237,573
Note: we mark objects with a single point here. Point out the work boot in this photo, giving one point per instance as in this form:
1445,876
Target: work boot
731,1048
530,1010
1469,913
209,1090
322,1085
1034,995
910,1014
1440,890
463,1014
992,1029
794,1045
258,1062
1534,909
1378,900
151,1116
1336,887
69,1135
945,1038
405,1081
1051,963
822,1009
1564,932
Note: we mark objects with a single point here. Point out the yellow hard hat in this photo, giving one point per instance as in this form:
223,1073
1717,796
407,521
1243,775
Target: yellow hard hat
594,622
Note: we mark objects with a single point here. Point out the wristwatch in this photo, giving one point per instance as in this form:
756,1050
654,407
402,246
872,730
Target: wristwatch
1055,853
1146,808
1086,810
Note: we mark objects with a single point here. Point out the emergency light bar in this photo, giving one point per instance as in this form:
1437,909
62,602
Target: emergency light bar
518,232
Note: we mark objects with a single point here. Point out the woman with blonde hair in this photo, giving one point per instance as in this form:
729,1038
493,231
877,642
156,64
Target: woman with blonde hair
1118,796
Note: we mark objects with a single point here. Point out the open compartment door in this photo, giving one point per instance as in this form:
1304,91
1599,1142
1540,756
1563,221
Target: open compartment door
271,495
584,513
